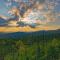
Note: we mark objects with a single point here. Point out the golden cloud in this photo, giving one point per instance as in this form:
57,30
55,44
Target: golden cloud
27,29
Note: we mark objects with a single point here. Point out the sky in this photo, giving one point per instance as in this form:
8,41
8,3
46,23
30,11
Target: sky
48,12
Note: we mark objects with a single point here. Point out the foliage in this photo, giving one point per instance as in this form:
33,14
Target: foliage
31,47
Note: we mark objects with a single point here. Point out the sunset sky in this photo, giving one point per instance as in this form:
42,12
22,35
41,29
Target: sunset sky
49,11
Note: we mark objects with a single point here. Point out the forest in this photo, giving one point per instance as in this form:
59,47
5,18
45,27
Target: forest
42,45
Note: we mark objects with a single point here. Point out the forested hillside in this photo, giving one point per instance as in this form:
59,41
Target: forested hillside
42,45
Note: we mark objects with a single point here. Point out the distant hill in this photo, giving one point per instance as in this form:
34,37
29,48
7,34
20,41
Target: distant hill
23,34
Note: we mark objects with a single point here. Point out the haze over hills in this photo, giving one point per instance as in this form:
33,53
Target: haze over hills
37,33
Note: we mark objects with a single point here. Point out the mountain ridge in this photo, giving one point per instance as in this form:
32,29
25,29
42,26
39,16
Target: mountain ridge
22,34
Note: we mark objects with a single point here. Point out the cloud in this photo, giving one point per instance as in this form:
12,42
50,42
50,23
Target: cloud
36,14
49,16
17,0
12,23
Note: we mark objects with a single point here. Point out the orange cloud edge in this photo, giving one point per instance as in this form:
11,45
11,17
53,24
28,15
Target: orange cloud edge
27,29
